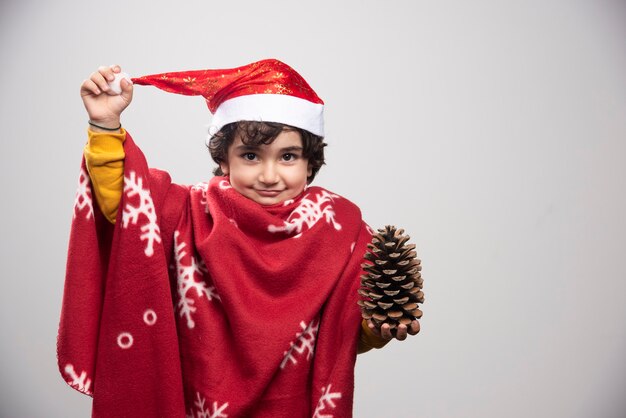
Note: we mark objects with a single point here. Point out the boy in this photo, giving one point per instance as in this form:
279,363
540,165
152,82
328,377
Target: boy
235,297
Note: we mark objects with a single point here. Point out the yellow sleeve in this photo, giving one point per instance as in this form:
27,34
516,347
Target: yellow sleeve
369,340
104,157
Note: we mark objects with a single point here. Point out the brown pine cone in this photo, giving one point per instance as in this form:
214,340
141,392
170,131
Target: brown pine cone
391,287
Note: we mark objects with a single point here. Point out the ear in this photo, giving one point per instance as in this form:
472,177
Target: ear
309,170
224,168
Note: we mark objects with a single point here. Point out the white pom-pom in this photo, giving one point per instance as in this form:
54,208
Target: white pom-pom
115,84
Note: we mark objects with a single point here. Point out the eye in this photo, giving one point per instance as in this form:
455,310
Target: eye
249,156
289,157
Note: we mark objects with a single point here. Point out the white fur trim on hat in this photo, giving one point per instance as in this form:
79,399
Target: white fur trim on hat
278,108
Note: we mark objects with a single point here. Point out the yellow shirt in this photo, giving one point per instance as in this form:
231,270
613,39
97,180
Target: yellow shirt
104,157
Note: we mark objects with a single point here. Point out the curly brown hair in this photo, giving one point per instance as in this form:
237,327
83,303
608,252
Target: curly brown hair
256,133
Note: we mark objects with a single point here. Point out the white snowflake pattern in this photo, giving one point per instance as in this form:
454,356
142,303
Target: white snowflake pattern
201,411
80,383
308,213
304,343
185,274
125,340
225,185
327,399
133,185
149,317
203,188
83,195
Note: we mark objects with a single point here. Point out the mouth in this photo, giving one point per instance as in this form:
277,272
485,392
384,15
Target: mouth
268,193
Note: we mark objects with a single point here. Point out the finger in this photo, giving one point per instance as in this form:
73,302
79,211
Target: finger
373,328
415,327
116,68
401,332
385,332
89,87
107,72
100,81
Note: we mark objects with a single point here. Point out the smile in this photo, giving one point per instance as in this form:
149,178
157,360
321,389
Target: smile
268,193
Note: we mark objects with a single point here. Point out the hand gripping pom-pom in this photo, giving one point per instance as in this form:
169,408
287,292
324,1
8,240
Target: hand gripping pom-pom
115,84
391,289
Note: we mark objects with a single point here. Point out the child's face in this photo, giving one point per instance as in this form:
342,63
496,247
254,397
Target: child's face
268,174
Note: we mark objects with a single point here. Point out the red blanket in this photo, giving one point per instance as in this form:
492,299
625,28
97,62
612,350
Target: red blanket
200,302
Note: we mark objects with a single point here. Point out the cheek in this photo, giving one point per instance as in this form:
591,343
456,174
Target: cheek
297,178
238,183
242,175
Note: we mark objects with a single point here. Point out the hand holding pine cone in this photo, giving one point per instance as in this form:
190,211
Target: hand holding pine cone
391,287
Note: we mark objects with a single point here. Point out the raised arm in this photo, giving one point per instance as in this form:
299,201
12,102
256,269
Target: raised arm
104,152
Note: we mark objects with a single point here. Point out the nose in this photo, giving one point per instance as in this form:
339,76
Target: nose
268,174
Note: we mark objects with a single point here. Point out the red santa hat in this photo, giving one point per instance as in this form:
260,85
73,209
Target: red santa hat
267,90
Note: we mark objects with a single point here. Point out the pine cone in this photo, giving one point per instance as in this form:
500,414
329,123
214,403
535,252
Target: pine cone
391,289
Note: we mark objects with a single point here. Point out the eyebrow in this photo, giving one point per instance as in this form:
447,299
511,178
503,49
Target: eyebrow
247,147
292,148
244,147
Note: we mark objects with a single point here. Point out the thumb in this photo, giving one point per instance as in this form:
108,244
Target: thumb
127,89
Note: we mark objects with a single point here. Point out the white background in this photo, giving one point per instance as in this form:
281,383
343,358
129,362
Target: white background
492,131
